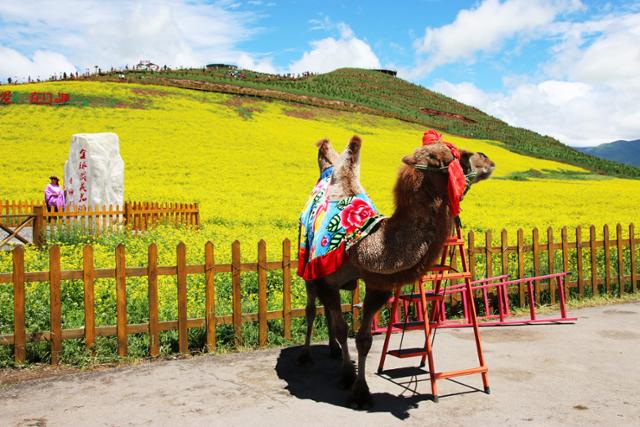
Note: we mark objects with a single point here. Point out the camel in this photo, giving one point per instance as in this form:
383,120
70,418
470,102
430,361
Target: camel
399,250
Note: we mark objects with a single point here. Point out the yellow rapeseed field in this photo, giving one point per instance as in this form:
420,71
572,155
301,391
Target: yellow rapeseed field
252,163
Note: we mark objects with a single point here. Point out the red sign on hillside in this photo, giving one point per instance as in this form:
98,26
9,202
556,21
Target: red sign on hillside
41,98
38,98
5,97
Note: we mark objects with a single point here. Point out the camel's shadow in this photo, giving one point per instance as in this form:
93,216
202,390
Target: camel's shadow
319,381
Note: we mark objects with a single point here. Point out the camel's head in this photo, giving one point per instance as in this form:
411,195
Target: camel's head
430,158
476,163
436,158
433,160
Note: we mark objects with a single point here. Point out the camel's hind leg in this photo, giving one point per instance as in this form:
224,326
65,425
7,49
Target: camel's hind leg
345,180
327,156
373,301
310,317
330,298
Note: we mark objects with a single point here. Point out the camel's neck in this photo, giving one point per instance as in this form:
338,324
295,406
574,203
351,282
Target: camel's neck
407,243
421,206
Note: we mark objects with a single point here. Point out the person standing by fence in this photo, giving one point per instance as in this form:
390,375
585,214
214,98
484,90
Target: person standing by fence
54,195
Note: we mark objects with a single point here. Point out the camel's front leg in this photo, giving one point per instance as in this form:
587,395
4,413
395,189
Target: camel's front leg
310,316
373,301
330,298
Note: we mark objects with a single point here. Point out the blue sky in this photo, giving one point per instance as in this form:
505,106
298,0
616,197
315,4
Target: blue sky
566,68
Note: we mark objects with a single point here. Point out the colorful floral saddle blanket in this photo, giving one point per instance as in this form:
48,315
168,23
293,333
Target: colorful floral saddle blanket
329,228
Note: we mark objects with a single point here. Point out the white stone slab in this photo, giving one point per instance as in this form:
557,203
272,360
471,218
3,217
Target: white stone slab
94,172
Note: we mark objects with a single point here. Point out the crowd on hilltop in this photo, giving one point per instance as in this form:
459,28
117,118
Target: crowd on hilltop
232,72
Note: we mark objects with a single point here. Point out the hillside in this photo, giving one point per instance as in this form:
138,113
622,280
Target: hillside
627,152
382,94
251,163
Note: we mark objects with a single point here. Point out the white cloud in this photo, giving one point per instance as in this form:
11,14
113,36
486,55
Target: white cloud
484,28
330,53
93,32
587,91
575,113
263,65
603,51
43,64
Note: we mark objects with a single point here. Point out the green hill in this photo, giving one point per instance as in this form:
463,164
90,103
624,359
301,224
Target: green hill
382,94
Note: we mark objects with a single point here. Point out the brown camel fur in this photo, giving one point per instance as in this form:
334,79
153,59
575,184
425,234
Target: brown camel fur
398,251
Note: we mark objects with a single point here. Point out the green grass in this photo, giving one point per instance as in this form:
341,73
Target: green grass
553,174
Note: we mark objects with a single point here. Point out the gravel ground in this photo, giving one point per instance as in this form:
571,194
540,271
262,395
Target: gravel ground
555,375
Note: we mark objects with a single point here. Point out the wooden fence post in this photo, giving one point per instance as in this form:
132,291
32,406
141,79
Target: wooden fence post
565,250
237,296
38,225
488,239
181,262
55,304
551,259
89,311
471,254
520,249
262,293
594,259
121,300
286,288
632,249
607,258
355,315
210,297
152,280
619,245
504,244
579,260
536,260
127,214
19,334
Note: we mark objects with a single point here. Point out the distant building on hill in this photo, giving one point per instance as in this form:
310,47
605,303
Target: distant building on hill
390,72
146,65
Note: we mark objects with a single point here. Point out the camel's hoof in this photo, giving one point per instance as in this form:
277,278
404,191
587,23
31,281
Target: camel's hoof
305,359
348,376
360,396
335,352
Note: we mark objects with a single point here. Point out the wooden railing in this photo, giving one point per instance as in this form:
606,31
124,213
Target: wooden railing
604,256
11,209
18,277
597,266
137,216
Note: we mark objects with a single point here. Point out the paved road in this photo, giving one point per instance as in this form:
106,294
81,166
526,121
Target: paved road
557,375
26,233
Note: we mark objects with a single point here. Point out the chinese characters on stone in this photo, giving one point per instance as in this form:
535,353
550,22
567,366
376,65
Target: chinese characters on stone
82,167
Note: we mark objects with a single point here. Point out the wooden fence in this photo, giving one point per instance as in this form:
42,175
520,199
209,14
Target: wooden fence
596,266
604,256
137,216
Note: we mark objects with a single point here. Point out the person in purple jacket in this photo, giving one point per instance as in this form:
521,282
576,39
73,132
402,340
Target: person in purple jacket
54,195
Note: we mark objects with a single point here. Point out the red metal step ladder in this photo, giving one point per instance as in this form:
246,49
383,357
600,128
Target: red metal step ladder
429,322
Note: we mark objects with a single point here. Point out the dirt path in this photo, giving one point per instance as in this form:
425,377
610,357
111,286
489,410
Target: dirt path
559,375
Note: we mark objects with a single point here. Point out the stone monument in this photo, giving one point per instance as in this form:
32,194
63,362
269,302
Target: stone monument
94,172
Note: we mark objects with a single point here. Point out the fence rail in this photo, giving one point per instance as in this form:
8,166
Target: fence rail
602,262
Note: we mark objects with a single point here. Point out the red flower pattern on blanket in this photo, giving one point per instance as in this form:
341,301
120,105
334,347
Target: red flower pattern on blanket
354,215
